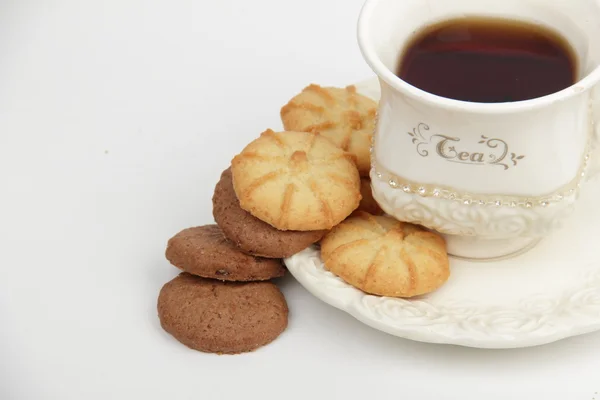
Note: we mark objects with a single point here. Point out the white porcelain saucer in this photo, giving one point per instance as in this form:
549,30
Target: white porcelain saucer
547,294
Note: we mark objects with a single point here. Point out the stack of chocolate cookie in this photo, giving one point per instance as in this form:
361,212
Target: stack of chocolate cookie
282,193
223,301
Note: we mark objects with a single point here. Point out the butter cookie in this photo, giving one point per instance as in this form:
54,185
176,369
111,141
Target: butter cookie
249,233
296,181
342,115
382,256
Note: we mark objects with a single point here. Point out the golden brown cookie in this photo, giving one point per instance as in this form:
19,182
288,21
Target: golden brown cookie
386,257
249,233
340,114
221,317
204,251
368,203
296,181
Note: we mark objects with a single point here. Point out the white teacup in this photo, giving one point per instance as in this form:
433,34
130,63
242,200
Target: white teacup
495,178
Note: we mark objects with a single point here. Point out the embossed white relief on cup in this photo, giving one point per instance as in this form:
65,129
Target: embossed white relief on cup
487,151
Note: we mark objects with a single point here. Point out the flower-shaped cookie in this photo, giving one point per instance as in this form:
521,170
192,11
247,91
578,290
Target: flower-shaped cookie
340,114
296,181
386,257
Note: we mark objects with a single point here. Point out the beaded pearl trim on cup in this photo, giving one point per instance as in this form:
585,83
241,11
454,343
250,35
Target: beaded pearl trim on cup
446,193
569,190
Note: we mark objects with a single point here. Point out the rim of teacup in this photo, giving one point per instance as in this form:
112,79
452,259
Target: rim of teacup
372,59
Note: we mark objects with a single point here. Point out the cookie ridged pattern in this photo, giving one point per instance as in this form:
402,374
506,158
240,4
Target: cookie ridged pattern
250,234
386,257
342,115
296,181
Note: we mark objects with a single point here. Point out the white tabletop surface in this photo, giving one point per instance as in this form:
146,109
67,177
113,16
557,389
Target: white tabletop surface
116,119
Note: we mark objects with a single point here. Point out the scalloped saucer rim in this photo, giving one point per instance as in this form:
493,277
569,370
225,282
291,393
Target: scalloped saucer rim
358,304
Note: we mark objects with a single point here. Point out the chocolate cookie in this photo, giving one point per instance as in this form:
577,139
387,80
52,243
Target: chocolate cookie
204,251
250,233
222,317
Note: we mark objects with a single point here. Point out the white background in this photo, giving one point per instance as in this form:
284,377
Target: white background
116,119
